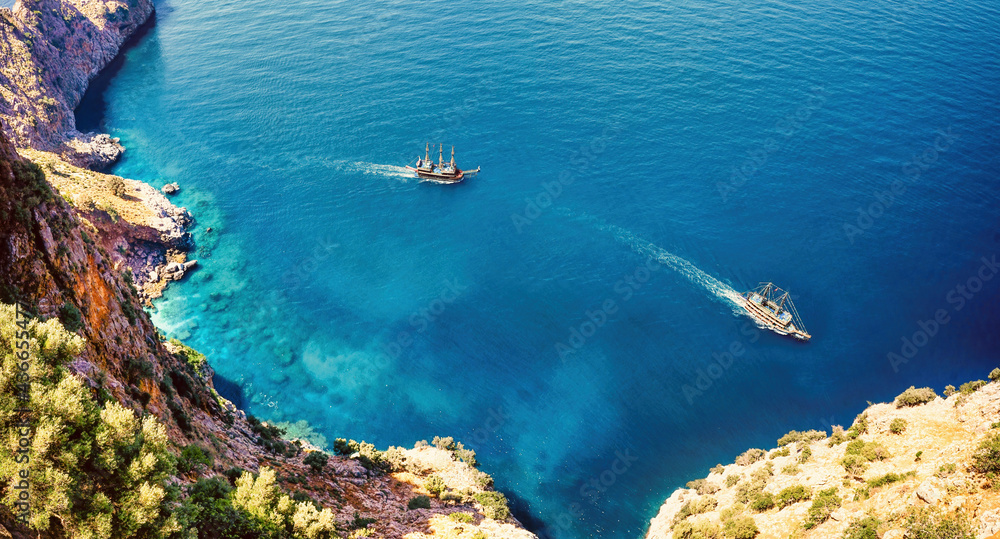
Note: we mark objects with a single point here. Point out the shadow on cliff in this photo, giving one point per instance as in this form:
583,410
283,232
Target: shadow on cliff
92,110
229,390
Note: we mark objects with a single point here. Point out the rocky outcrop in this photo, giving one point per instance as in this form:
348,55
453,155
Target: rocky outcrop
909,458
49,52
139,228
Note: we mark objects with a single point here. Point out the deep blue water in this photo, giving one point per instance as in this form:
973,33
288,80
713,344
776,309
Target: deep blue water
334,289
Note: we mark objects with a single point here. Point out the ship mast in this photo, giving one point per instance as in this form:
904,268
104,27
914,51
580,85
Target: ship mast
427,152
441,154
452,157
782,300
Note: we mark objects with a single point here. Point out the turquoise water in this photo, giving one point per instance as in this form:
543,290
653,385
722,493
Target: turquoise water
571,305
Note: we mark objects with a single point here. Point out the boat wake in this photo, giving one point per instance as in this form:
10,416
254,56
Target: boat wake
716,288
362,167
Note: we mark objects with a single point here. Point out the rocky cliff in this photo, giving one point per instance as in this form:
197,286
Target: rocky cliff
49,52
923,466
86,251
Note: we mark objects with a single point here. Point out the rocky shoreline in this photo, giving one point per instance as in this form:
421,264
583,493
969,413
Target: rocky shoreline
88,250
51,49
899,461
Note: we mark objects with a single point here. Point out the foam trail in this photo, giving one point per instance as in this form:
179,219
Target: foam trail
361,167
718,289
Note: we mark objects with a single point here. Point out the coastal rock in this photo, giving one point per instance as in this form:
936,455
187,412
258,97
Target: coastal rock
940,478
171,188
92,150
928,493
49,52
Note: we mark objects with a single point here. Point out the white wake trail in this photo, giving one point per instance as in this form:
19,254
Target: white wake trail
718,289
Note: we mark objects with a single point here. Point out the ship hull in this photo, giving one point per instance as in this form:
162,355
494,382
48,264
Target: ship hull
438,177
769,321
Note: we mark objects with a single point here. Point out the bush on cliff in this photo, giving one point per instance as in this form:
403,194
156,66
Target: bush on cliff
494,504
915,397
418,502
740,528
316,460
863,528
931,524
102,471
805,436
698,529
898,426
750,456
986,459
790,495
995,375
435,485
824,504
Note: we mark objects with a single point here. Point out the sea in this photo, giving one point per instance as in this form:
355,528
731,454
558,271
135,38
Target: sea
572,312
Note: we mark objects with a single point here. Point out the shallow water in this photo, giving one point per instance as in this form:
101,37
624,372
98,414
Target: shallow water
558,326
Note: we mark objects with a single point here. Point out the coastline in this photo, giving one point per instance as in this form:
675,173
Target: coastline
92,249
897,461
54,48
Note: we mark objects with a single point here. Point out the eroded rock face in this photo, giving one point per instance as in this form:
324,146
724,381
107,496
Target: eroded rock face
49,52
929,452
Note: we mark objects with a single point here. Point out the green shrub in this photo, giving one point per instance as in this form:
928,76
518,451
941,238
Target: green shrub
698,529
103,468
750,456
762,502
897,426
783,452
316,460
447,443
863,528
791,469
451,496
116,185
696,506
805,436
854,464
914,397
731,480
825,503
193,456
71,317
804,456
718,468
703,486
869,451
947,469
986,459
193,357
740,528
949,390
435,485
419,502
889,478
969,388
995,375
494,505
792,494
930,524
461,517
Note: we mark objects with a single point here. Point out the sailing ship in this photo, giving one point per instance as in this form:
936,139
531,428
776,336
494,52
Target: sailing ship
772,308
439,172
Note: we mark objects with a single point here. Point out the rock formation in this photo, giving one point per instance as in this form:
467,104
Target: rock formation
893,463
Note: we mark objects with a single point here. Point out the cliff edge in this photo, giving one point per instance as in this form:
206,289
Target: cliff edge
923,466
49,52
